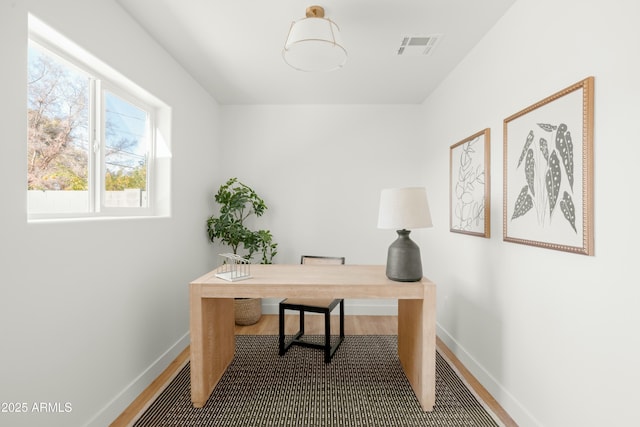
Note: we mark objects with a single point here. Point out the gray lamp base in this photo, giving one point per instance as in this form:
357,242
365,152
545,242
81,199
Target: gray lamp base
404,263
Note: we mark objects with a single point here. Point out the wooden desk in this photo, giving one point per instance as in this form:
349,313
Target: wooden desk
212,316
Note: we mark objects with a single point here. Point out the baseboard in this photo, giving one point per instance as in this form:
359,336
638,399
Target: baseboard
360,307
509,403
119,403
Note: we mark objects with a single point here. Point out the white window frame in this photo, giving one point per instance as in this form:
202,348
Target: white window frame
103,78
99,152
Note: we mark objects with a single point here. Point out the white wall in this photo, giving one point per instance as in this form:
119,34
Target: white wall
320,170
552,335
91,312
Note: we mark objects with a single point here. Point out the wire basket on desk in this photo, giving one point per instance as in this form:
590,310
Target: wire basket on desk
233,268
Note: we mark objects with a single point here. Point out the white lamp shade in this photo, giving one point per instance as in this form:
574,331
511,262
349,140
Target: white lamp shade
314,44
404,208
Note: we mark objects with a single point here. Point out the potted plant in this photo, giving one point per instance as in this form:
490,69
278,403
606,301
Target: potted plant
237,203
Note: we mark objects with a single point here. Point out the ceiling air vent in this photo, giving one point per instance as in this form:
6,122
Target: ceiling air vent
418,45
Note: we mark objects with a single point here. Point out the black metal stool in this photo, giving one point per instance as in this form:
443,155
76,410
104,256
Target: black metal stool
313,305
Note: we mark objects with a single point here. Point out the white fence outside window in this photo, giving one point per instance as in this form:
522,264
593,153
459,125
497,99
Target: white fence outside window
59,201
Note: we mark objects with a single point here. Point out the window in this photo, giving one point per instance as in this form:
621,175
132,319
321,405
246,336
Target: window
91,139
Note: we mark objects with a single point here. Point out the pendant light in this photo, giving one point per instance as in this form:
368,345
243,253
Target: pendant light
314,43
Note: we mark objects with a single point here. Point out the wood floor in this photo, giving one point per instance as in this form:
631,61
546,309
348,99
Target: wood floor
268,325
314,325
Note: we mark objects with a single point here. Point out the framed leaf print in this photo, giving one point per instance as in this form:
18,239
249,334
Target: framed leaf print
548,172
469,185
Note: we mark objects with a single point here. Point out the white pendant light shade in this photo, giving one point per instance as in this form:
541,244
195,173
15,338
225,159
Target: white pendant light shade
314,43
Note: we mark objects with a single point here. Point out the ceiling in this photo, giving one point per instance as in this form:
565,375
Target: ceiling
233,47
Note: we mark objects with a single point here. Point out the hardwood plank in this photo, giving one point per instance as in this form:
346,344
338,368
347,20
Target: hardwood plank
482,392
314,325
152,391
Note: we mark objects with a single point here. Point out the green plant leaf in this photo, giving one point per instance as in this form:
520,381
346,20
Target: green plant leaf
568,210
237,202
529,170
552,180
526,147
524,203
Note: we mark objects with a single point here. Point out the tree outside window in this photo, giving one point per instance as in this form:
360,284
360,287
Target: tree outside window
88,142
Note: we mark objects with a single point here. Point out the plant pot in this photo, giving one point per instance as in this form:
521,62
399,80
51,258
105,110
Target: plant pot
247,310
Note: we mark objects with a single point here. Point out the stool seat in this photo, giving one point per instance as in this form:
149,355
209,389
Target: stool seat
324,309
312,302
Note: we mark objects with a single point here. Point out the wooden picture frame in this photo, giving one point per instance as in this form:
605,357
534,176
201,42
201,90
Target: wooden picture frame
548,172
470,185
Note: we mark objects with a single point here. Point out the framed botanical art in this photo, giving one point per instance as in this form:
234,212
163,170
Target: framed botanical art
548,172
469,185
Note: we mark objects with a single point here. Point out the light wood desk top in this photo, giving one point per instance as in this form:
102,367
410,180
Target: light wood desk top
319,281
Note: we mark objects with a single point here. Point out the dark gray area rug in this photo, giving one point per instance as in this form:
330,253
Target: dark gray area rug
364,385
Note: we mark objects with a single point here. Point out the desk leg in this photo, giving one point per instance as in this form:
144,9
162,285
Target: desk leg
417,345
212,342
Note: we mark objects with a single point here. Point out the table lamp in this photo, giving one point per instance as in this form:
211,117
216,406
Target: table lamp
403,209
